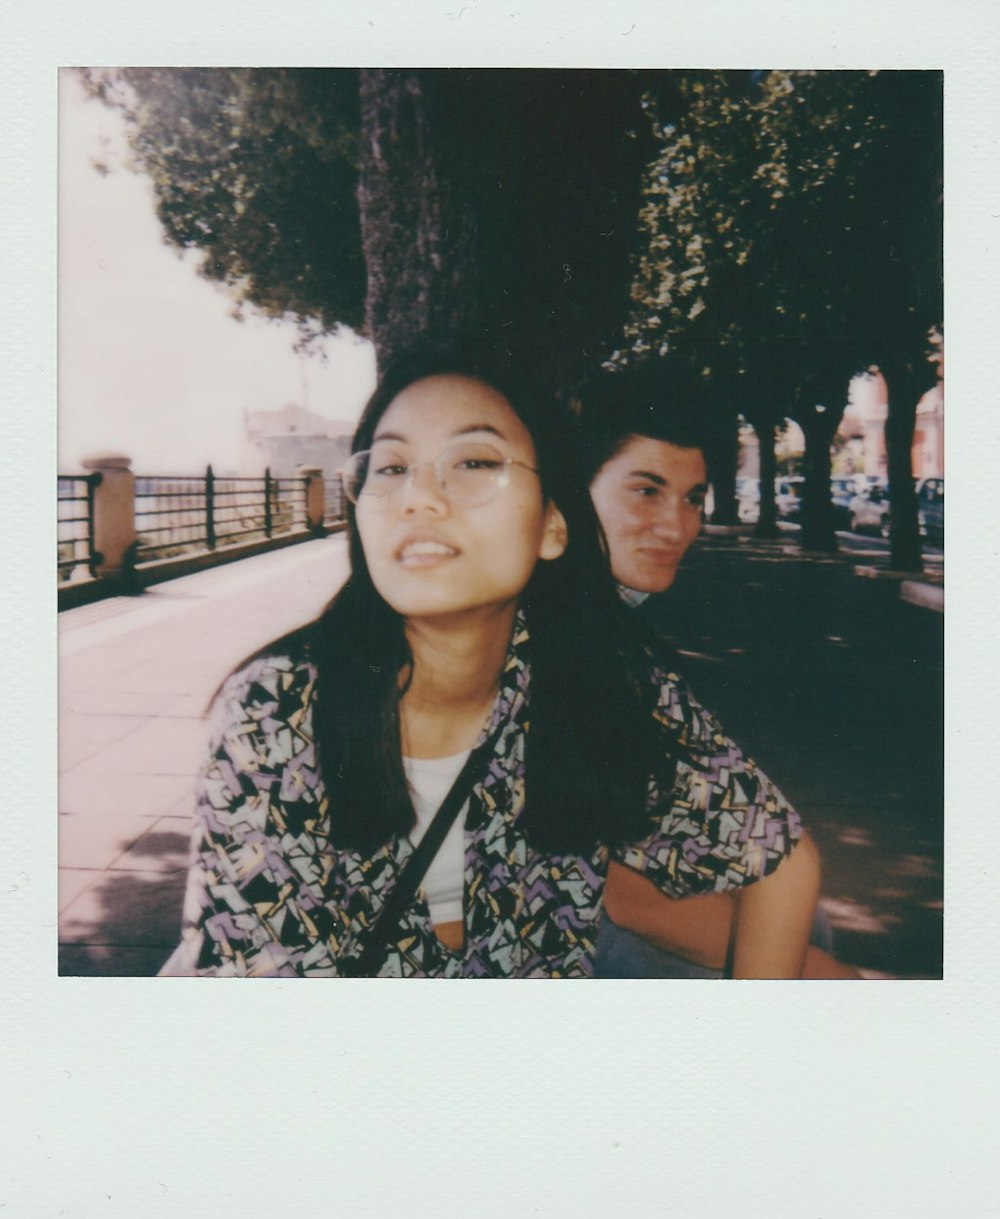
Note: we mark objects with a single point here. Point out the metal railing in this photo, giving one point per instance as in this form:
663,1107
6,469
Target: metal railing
151,525
170,515
75,524
175,515
334,500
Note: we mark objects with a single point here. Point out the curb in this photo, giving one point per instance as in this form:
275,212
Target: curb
84,592
928,596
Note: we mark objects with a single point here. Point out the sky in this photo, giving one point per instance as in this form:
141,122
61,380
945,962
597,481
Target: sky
151,364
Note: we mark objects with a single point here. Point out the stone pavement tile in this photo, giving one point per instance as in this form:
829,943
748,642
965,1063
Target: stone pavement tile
111,961
73,881
134,645
162,848
189,706
172,638
93,667
219,656
218,652
126,909
214,668
97,840
81,736
162,746
184,807
100,700
147,795
171,674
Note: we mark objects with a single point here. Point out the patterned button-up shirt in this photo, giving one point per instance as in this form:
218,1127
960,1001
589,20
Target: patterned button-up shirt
269,896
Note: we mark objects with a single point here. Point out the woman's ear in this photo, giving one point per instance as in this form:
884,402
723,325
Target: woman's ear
556,535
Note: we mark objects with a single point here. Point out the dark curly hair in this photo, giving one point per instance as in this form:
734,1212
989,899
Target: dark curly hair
657,398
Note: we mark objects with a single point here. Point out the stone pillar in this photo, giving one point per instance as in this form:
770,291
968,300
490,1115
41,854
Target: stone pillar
114,520
315,503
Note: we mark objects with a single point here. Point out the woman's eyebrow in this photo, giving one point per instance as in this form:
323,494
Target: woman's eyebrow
462,431
479,427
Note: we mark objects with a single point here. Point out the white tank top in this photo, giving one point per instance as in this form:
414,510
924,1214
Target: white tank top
430,780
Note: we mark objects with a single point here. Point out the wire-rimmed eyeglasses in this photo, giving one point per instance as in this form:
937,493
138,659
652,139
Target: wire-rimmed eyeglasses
469,474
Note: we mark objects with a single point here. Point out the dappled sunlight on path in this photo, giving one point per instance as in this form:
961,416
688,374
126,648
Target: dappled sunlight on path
835,686
136,678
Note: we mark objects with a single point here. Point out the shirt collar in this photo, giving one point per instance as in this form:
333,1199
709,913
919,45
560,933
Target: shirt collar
631,596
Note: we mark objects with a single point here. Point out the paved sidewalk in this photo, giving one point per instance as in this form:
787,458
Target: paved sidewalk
136,675
835,685
828,678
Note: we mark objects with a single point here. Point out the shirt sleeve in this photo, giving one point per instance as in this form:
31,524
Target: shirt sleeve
722,823
240,913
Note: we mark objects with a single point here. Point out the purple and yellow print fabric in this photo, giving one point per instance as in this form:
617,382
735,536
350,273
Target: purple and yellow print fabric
269,896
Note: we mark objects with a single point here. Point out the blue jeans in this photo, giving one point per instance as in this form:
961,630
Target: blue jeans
621,954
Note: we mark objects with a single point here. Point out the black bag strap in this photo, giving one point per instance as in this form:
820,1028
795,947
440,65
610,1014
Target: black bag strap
369,961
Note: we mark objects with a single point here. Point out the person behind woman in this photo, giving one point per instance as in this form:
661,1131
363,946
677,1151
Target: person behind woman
479,621
643,437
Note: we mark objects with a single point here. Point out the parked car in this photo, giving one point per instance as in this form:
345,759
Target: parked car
930,507
870,511
748,495
788,497
842,493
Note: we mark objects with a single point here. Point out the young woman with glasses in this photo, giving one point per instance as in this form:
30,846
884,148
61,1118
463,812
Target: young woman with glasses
479,636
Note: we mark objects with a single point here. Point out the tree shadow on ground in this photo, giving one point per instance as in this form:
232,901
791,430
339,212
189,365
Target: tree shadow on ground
836,687
883,891
129,923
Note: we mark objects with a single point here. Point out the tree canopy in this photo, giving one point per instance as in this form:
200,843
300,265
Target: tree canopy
258,170
401,202
791,237
803,209
780,230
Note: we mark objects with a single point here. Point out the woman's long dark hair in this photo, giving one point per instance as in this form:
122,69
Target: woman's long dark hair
591,742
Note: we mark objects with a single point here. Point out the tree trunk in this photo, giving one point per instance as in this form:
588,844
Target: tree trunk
501,204
769,391
724,460
417,218
906,380
819,424
767,516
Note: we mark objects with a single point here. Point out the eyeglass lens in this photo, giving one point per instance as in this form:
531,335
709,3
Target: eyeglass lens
469,473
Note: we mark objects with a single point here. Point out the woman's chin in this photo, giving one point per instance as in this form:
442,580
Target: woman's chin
429,606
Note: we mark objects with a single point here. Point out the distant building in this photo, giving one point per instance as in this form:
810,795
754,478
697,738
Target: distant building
862,429
860,440
285,439
928,435
789,445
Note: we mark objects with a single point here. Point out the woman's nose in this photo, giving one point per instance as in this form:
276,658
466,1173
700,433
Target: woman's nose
422,490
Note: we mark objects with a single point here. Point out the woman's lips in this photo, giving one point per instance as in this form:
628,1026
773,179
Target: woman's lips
424,552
